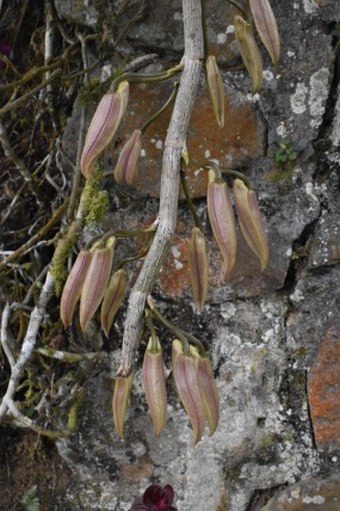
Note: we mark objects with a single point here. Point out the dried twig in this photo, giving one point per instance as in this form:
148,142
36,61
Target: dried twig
28,345
56,217
19,164
174,145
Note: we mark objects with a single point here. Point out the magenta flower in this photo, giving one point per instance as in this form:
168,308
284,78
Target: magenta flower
155,498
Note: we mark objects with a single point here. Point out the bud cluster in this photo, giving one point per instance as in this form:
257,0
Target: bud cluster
89,281
266,27
103,127
194,381
222,221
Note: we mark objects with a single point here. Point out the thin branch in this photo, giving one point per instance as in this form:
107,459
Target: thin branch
14,104
28,345
5,334
174,145
19,164
56,217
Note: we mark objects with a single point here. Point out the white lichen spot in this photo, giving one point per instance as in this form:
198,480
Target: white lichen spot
207,154
310,6
230,29
221,38
178,264
318,94
298,99
281,130
289,252
253,98
290,53
175,251
267,75
295,493
316,499
143,153
159,144
297,296
228,310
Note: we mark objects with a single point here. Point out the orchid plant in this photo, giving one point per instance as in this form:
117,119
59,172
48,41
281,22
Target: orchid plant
89,280
97,281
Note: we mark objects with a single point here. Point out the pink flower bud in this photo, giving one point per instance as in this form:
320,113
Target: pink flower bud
126,168
103,127
251,222
112,299
216,90
121,395
95,283
154,384
198,264
222,220
187,385
73,286
266,26
208,389
250,53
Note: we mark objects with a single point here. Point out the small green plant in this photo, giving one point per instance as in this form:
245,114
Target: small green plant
285,153
30,499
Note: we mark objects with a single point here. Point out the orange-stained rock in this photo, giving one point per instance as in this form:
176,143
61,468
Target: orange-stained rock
245,279
137,472
239,140
174,276
324,391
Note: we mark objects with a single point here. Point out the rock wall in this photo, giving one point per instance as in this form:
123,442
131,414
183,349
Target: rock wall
274,338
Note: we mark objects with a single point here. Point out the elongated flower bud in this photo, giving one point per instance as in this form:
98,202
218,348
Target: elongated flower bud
216,90
120,401
266,26
103,127
208,389
73,286
187,385
126,168
198,264
154,384
112,299
251,222
250,53
95,283
222,220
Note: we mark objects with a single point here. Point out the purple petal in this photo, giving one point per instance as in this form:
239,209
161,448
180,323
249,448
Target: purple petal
152,495
138,505
168,495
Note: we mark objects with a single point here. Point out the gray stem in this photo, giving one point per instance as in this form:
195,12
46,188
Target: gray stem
173,148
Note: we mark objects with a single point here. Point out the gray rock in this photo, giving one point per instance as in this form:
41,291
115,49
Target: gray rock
318,493
261,331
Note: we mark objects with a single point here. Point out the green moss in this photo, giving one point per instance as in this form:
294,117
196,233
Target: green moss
98,207
58,266
93,204
94,201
